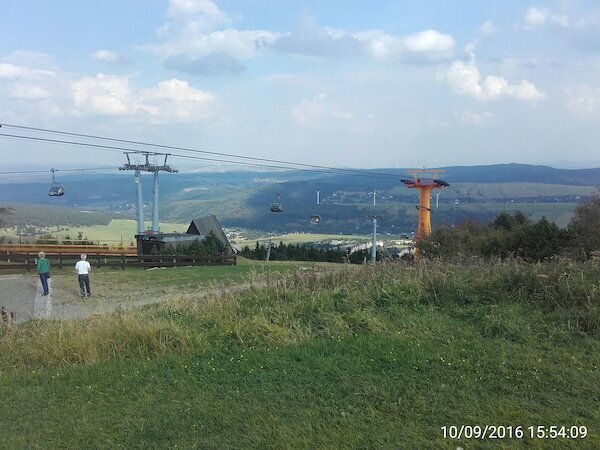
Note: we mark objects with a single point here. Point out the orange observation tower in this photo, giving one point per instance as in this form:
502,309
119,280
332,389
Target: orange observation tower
425,181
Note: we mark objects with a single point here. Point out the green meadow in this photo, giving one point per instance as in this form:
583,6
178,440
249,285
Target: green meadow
326,357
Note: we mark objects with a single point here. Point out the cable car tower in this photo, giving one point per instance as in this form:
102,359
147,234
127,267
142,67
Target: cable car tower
425,181
146,166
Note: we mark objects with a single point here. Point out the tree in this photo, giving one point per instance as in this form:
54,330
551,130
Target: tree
583,228
504,221
4,211
539,241
505,237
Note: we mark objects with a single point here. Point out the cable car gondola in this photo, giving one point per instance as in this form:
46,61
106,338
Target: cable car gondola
276,206
314,218
56,189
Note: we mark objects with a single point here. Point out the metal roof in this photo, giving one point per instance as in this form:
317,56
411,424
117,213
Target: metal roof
204,225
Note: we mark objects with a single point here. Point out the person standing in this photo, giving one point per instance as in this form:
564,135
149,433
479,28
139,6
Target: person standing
43,268
83,273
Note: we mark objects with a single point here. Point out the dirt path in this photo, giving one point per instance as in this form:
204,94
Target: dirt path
21,294
17,294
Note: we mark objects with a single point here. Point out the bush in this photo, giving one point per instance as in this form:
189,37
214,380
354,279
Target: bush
507,236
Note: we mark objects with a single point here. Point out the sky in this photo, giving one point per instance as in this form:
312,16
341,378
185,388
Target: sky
345,83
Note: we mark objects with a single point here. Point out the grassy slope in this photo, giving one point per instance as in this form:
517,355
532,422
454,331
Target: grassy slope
317,360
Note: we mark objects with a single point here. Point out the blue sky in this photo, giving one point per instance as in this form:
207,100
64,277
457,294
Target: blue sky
346,83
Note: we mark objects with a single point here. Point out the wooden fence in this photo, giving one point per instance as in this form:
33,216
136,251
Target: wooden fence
28,261
55,249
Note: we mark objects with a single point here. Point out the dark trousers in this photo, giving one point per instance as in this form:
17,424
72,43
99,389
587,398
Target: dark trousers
44,280
84,284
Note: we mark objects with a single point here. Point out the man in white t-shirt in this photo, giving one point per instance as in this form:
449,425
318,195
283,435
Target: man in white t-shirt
83,273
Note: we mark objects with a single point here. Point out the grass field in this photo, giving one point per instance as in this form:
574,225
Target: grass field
116,230
303,238
119,284
331,359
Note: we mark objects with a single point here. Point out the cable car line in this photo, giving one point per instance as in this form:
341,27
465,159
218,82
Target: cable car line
185,149
25,172
333,171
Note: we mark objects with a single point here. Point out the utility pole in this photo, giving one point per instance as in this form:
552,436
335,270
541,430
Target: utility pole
268,257
374,196
140,202
374,246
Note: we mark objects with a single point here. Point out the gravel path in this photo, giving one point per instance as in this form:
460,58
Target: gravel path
22,295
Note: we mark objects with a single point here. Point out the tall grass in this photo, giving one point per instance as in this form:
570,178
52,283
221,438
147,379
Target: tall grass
558,299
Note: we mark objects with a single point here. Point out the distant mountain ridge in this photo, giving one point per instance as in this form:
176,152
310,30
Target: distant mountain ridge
243,198
521,173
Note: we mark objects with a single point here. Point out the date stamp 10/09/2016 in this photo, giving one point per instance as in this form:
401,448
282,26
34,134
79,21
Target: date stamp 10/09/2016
459,432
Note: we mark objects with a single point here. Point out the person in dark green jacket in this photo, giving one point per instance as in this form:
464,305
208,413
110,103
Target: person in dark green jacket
43,268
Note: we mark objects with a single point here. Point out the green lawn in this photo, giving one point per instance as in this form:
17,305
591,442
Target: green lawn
367,358
113,287
190,276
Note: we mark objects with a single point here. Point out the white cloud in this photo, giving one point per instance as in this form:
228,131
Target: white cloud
537,17
29,92
561,20
487,28
313,111
238,44
431,43
12,72
198,28
534,17
191,17
310,39
473,117
31,60
176,99
205,11
465,79
195,31
109,57
111,95
103,94
583,100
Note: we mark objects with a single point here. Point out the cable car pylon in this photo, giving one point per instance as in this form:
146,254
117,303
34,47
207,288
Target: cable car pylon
425,185
152,168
